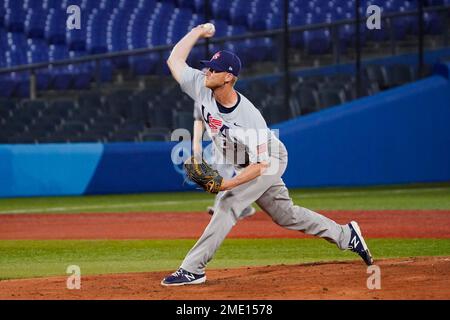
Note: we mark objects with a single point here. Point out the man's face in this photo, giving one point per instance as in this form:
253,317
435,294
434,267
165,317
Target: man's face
215,79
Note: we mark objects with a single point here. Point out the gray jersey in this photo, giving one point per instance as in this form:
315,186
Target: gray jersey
241,136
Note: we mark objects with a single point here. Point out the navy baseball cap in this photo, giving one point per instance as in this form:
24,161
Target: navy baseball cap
225,61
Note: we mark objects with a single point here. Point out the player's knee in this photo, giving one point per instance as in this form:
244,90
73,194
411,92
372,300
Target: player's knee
227,205
286,218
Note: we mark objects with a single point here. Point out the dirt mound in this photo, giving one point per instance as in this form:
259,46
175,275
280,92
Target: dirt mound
408,278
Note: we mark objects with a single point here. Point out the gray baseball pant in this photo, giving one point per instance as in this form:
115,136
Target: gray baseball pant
271,194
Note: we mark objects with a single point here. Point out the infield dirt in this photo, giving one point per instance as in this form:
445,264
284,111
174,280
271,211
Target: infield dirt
412,278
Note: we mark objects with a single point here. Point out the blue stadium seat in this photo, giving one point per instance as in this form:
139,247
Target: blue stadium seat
97,31
274,21
433,23
14,15
220,9
238,12
34,24
8,85
189,4
53,31
61,108
317,41
2,15
76,38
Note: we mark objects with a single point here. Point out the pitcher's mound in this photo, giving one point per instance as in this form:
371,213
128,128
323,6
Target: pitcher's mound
407,278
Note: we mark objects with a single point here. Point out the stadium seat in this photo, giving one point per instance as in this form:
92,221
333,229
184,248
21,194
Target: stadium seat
141,105
156,134
53,31
183,119
4,113
317,42
14,15
376,73
35,105
307,98
399,74
28,138
61,108
62,79
124,136
8,86
8,104
119,104
345,89
34,23
88,137
42,129
72,128
331,97
9,129
274,109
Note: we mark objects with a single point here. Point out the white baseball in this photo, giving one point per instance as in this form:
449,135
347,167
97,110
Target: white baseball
210,27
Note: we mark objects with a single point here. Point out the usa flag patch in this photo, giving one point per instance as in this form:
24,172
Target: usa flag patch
214,124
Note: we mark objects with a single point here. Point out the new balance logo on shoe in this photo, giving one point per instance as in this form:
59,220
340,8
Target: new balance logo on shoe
354,242
190,277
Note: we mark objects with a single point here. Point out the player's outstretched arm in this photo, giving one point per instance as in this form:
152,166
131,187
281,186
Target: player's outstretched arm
197,137
253,171
180,52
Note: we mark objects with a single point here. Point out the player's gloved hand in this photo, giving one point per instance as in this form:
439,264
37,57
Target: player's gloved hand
202,174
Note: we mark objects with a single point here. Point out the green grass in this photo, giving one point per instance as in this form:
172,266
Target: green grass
403,197
24,258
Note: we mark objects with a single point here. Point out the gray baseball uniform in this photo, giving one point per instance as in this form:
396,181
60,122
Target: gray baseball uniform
243,137
226,170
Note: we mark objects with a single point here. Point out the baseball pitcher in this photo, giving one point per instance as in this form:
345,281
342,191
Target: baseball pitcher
240,133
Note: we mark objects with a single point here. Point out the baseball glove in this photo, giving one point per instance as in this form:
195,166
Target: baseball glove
201,173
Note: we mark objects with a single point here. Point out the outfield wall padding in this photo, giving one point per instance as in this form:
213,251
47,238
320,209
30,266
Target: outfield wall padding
398,136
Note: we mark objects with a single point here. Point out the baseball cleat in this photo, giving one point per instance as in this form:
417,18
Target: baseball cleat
358,245
182,277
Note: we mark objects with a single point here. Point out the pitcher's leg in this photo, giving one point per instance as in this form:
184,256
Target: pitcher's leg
278,204
247,212
228,210
218,228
